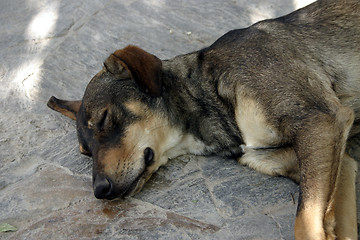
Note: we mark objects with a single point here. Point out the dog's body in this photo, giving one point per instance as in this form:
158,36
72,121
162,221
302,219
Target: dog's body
281,95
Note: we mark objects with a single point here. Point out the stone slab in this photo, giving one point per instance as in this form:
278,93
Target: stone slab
54,48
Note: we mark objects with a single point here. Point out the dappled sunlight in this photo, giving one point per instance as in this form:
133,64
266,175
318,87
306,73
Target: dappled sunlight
265,11
44,22
28,77
28,74
258,14
156,3
302,3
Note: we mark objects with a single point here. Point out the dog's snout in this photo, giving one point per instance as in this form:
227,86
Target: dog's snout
103,188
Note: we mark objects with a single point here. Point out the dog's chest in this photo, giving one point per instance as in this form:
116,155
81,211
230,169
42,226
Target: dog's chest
253,124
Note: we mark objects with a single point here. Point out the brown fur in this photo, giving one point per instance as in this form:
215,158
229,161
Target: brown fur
281,96
144,68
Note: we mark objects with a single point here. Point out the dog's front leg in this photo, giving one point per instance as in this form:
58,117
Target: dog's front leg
320,145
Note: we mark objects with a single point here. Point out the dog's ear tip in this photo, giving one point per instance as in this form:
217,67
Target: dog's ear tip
67,108
53,98
52,101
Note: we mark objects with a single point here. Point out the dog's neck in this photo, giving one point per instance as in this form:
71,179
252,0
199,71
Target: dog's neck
193,104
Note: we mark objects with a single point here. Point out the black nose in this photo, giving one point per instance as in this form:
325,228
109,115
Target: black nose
103,188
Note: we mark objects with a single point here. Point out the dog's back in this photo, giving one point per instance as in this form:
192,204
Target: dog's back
321,41
339,52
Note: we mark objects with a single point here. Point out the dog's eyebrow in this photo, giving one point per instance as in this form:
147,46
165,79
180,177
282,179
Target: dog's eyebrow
135,107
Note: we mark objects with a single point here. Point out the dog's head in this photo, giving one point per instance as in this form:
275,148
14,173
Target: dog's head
119,124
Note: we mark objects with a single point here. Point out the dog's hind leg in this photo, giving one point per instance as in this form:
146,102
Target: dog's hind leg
345,201
320,145
274,162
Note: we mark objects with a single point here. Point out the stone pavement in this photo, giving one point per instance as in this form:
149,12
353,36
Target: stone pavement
54,47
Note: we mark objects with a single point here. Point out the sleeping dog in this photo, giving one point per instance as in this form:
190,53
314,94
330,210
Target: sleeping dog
281,96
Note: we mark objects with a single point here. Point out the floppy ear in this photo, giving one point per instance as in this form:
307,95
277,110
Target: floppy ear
143,67
67,108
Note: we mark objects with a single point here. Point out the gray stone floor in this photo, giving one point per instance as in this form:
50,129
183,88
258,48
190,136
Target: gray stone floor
54,47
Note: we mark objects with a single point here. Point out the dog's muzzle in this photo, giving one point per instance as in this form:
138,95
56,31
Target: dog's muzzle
105,188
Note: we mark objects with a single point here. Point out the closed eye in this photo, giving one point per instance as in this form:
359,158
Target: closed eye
101,124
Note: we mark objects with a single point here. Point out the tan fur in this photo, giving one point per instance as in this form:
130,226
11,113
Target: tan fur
341,224
258,133
273,162
320,185
345,201
171,142
310,222
152,131
255,129
333,217
317,218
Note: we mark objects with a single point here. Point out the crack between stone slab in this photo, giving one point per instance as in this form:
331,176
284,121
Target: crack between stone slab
206,227
278,226
76,26
23,81
83,21
209,188
34,41
250,209
66,169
